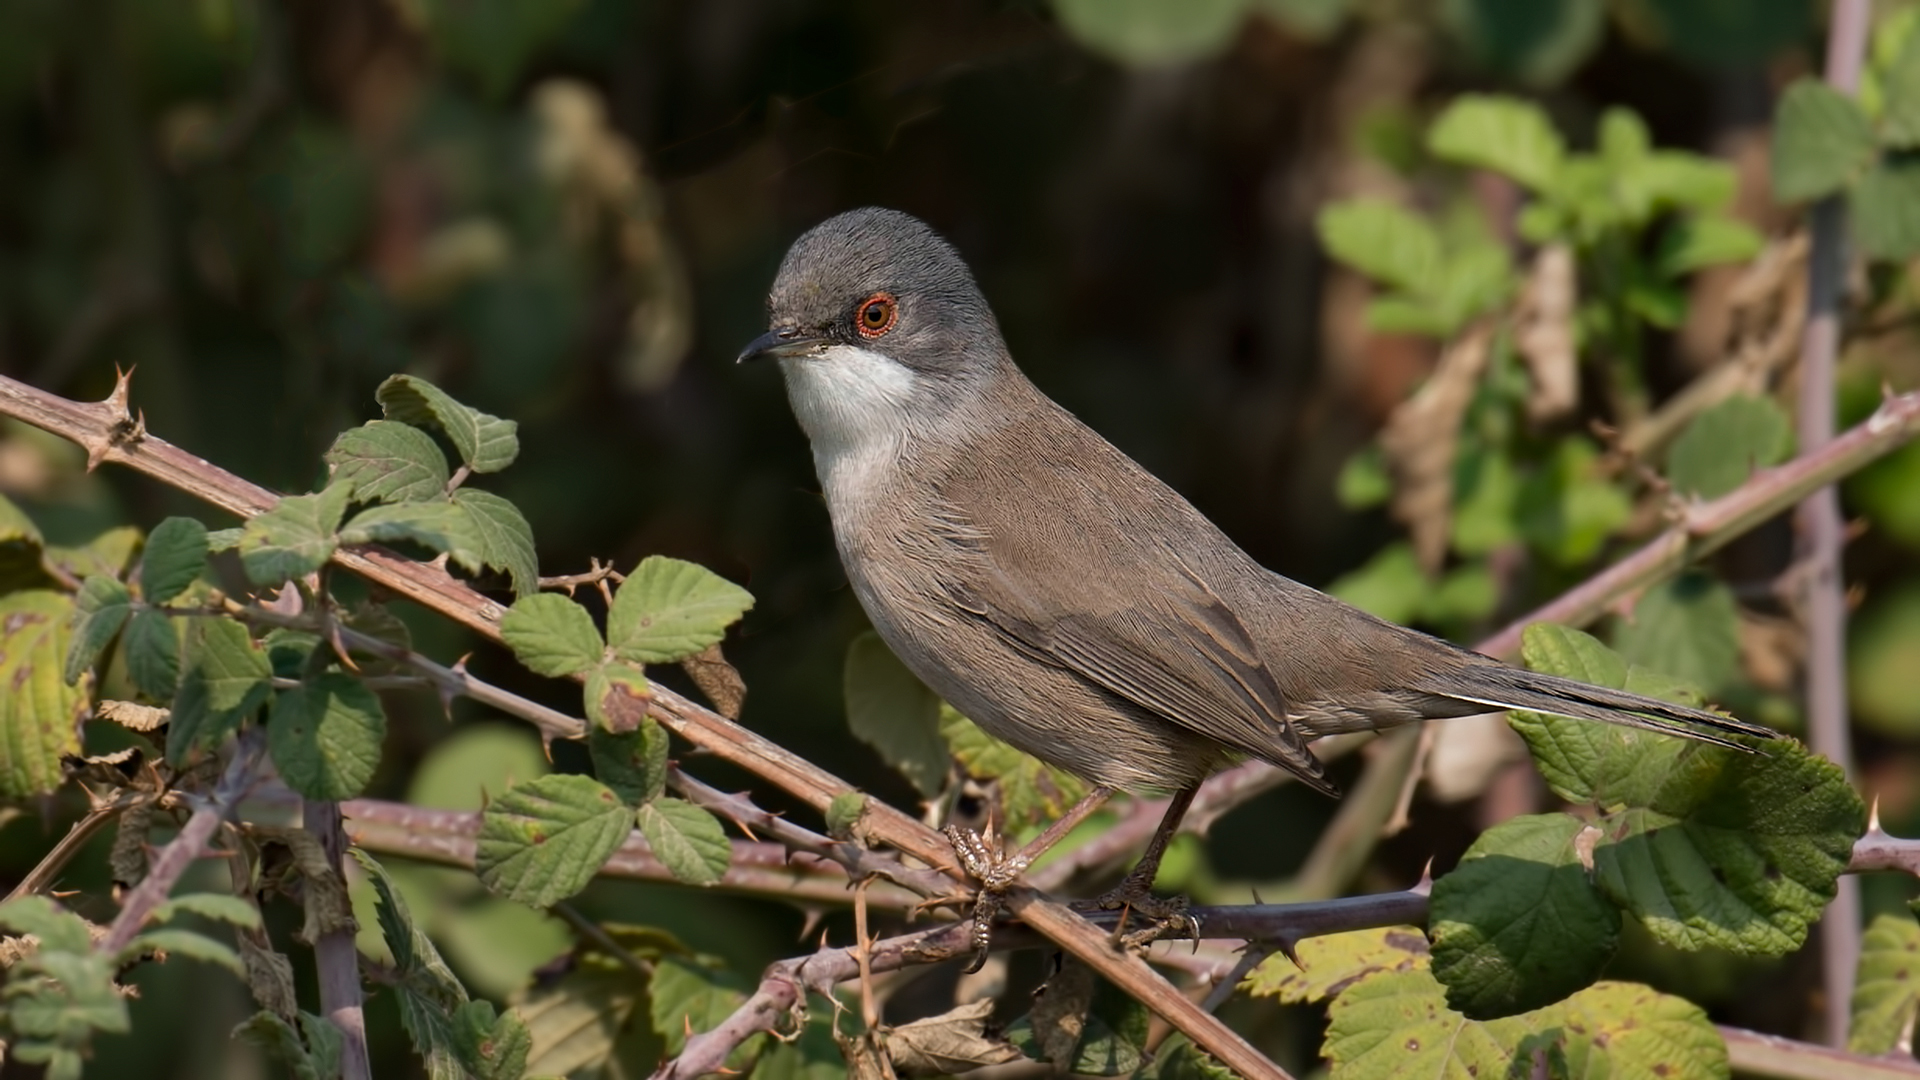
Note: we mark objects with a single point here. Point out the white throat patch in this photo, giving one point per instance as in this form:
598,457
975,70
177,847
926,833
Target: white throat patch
856,406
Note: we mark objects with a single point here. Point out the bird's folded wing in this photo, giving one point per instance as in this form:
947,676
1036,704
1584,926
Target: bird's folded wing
1170,645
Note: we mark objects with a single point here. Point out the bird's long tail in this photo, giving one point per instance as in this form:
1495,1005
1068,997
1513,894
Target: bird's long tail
1500,687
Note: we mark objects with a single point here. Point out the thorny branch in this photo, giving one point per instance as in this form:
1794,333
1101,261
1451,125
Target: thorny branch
109,433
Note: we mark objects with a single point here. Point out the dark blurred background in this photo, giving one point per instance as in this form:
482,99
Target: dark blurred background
568,212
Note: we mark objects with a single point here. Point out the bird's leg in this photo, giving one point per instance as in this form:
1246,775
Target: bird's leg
987,861
1135,891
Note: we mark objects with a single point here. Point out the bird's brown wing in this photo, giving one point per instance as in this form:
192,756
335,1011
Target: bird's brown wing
1075,586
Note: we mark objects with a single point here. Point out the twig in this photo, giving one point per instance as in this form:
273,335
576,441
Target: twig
1707,527
336,960
1822,533
188,844
1753,1053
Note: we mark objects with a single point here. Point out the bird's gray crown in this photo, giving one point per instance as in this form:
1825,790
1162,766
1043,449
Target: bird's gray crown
943,328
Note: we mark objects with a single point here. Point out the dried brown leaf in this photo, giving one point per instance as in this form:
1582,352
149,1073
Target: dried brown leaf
269,976
132,716
1543,332
952,1042
1420,439
717,679
128,858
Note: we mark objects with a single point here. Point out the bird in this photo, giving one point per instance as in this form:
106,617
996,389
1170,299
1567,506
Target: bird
1060,595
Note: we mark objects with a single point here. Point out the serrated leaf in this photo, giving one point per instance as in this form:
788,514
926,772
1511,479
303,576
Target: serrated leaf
1821,141
225,679
1738,851
1620,1029
315,1058
1724,444
591,1014
326,735
1031,791
100,609
891,710
1397,1024
507,539
176,553
1884,211
687,840
1386,242
58,929
1506,135
1690,627
632,763
1900,85
1329,963
414,955
1886,991
40,713
490,1045
219,907
224,539
1569,507
667,609
552,635
616,697
1519,924
485,443
387,461
687,996
438,525
190,944
295,538
542,841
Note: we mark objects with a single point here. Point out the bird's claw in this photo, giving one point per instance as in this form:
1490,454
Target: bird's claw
1163,915
987,861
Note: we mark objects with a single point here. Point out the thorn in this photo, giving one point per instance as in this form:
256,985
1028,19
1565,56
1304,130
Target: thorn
1425,884
1873,816
1287,945
1256,897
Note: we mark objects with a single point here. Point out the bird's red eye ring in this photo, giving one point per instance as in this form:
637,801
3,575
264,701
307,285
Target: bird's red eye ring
876,315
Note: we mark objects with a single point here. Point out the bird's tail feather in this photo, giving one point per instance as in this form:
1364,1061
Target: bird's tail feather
1500,687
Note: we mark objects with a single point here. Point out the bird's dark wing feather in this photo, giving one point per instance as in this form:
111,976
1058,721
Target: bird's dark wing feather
1166,642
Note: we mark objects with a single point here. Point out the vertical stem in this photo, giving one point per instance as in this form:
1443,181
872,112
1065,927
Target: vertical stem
334,954
1821,531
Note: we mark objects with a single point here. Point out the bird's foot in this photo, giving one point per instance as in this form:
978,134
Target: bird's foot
986,860
1161,915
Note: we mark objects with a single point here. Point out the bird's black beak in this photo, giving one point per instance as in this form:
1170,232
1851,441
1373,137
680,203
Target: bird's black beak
781,341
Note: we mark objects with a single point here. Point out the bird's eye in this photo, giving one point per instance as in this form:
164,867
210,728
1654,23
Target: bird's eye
876,315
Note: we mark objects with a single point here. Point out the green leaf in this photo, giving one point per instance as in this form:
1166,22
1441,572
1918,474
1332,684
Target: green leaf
1688,626
1885,211
110,554
1539,42
668,609
40,713
1397,1023
152,649
490,1046
472,762
438,525
687,840
220,907
1608,765
1519,924
387,461
224,680
1692,243
416,959
326,736
1569,507
21,550
844,813
552,635
1031,791
1330,963
493,42
891,710
616,697
100,609
1477,278
1883,652
58,929
317,1058
1386,242
1487,494
295,538
632,763
224,539
175,555
1364,482
1886,992
1725,443
1390,586
1620,1029
1736,851
1505,135
485,443
1821,141
1151,33
506,540
1407,315
587,1016
542,841
1086,1027
1677,180
687,996
1900,89
190,944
